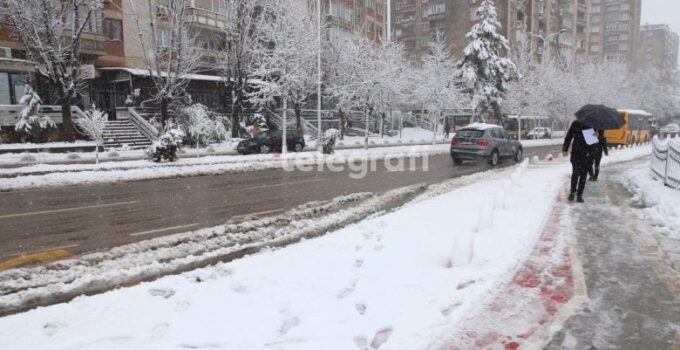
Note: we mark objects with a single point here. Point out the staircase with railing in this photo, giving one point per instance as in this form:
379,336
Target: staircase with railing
124,134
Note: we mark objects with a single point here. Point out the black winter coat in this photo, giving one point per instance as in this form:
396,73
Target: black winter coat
580,150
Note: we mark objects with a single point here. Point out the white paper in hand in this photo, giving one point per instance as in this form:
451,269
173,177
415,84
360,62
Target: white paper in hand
590,136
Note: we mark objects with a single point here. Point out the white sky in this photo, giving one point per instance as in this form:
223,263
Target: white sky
662,12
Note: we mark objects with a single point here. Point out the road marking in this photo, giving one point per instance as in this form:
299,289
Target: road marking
237,217
181,227
9,216
46,256
283,184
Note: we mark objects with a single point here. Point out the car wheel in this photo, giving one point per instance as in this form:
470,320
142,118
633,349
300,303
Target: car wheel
265,149
493,158
519,155
457,161
298,147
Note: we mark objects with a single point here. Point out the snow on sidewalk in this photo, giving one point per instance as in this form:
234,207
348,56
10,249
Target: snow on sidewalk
387,282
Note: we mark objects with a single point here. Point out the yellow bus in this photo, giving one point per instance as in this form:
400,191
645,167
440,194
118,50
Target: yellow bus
637,128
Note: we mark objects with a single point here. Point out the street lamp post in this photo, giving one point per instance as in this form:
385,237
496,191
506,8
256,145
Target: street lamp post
318,67
389,21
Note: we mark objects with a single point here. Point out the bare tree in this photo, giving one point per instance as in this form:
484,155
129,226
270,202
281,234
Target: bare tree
169,51
287,59
435,85
245,19
50,31
92,125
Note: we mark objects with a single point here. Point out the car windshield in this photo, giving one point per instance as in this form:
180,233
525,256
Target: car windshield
470,134
263,135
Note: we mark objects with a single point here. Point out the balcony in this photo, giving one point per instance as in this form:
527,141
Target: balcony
90,43
205,19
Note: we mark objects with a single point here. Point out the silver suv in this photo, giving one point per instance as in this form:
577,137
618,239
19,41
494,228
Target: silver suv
484,141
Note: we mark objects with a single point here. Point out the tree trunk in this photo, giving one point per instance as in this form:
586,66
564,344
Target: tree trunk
382,123
67,118
284,128
298,116
164,113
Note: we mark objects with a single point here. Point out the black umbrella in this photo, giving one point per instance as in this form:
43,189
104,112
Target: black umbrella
600,117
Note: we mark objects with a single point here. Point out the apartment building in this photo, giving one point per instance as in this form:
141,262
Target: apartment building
101,45
348,17
416,22
614,31
658,47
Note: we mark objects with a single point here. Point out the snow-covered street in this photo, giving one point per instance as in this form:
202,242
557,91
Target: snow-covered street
398,280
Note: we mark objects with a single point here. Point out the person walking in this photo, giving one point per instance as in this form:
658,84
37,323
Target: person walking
447,128
598,149
581,159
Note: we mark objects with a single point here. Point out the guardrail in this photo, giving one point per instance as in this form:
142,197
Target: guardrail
142,125
666,161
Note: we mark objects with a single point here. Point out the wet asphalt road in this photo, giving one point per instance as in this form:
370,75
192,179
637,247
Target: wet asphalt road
93,217
634,302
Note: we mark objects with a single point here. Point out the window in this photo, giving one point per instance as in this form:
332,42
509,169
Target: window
113,29
5,97
162,37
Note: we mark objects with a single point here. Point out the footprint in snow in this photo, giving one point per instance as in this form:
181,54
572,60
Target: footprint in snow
348,290
378,247
288,324
52,328
165,293
466,284
237,287
361,342
381,337
358,263
361,308
182,305
159,331
447,310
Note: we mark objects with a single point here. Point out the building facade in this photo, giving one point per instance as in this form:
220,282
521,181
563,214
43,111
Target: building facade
658,47
614,31
348,17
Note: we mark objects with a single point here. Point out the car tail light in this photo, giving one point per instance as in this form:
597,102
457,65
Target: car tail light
483,143
454,141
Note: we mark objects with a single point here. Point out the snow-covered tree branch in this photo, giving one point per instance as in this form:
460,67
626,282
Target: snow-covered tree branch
168,49
51,31
286,59
484,72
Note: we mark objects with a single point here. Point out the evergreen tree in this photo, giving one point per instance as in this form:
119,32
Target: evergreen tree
483,71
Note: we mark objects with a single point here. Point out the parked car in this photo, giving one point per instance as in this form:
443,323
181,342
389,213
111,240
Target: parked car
268,141
671,129
484,141
540,133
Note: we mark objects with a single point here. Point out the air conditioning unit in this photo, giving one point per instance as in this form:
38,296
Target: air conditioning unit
5,52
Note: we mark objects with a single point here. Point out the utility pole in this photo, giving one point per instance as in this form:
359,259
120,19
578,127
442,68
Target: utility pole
318,67
389,21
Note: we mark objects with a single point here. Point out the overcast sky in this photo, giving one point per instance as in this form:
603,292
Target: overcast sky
662,12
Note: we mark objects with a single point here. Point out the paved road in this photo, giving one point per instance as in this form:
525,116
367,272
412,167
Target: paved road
85,218
634,299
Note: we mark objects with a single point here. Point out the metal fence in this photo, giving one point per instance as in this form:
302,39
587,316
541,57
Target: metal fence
666,161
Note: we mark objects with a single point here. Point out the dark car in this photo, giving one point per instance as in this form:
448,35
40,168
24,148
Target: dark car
484,141
268,141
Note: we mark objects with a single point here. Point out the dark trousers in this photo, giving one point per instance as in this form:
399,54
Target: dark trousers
594,170
579,173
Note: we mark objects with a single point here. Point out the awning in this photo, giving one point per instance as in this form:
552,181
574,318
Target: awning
16,65
145,73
